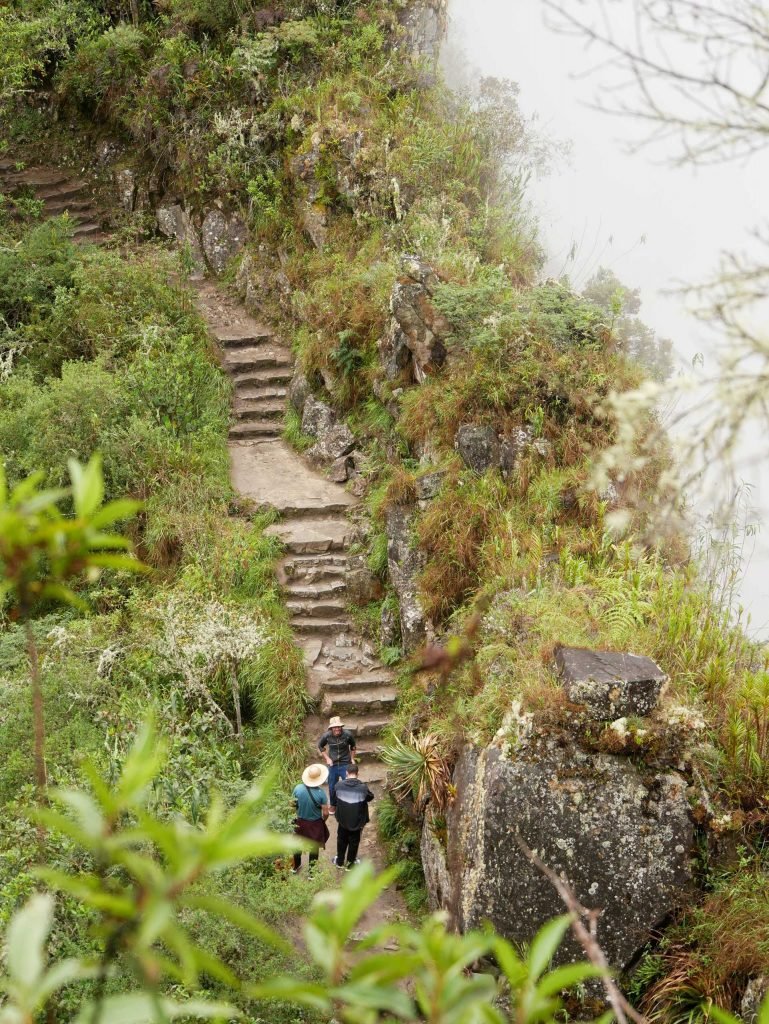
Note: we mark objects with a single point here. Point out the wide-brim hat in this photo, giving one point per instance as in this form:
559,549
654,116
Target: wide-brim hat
315,775
336,723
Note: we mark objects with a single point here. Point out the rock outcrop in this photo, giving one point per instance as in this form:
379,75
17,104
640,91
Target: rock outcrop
610,684
413,345
404,563
218,239
621,838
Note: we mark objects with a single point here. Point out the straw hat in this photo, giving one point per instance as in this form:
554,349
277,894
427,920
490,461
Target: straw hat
315,775
336,723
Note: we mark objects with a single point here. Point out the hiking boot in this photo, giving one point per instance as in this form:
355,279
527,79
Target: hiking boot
336,863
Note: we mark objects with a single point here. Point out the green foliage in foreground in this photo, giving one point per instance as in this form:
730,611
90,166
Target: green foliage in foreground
143,876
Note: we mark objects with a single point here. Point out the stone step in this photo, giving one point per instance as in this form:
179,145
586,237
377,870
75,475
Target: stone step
86,228
359,681
250,392
323,608
310,535
381,698
242,337
268,376
319,626
67,190
255,408
39,176
256,358
249,429
312,572
369,727
372,773
55,207
315,591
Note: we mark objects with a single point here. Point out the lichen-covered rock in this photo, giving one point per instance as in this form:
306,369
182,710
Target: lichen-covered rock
222,238
622,840
517,443
425,27
332,444
299,391
429,484
361,583
413,345
340,469
389,627
404,563
317,417
175,222
478,447
433,858
756,991
125,181
610,684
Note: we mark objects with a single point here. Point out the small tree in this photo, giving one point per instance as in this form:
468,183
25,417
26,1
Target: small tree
44,552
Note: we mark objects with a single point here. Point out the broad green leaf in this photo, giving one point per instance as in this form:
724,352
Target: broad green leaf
115,511
545,943
375,997
85,810
763,1012
238,916
727,1018
87,485
58,592
289,990
144,761
320,946
144,1008
565,977
125,563
25,941
510,962
63,973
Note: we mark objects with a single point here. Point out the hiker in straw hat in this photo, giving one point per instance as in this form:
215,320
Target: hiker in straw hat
339,756
311,811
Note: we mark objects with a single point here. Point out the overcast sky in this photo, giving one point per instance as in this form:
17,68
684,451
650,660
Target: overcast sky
606,200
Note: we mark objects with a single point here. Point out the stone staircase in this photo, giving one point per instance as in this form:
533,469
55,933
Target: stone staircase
344,676
60,192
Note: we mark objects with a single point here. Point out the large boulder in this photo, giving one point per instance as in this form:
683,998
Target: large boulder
413,345
404,563
222,238
317,417
478,447
622,840
610,684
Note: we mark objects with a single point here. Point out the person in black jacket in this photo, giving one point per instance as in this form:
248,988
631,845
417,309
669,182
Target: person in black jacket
339,756
352,800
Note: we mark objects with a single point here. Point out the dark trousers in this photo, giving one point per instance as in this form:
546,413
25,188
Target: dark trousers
347,843
335,773
298,859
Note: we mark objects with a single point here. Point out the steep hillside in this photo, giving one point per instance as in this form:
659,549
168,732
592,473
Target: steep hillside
309,156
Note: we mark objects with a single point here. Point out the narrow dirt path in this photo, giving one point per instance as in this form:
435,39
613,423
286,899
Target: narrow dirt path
343,674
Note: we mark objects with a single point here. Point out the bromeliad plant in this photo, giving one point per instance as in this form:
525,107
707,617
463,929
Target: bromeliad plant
419,769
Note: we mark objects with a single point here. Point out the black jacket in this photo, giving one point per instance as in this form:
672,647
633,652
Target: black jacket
352,800
340,748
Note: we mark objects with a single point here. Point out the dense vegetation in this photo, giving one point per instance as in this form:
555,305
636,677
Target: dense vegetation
314,122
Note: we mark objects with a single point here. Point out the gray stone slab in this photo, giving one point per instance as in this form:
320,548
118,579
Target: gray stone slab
610,684
273,474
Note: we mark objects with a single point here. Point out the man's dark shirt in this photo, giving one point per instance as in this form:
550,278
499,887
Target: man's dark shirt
352,800
340,748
